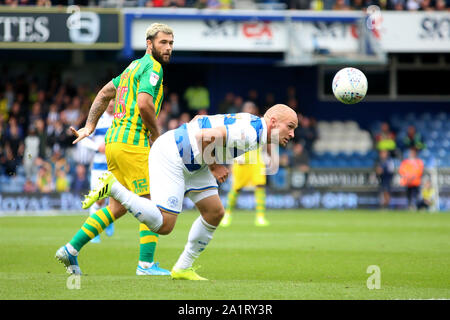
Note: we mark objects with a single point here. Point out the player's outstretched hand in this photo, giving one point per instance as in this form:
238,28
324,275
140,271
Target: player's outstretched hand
219,171
80,134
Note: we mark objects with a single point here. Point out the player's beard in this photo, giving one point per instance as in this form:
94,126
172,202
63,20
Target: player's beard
160,57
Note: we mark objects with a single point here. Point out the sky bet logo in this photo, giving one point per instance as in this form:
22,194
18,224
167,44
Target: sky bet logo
228,28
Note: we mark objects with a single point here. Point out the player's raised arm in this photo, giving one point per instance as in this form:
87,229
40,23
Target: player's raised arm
98,107
148,113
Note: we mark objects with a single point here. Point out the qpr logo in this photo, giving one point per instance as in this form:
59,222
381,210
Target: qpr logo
172,202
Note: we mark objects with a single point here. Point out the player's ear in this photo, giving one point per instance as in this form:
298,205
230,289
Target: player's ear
149,43
273,122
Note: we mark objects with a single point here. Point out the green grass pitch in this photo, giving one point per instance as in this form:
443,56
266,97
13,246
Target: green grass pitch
302,255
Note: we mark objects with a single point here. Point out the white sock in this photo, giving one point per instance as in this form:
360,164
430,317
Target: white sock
71,249
93,209
145,264
200,235
142,209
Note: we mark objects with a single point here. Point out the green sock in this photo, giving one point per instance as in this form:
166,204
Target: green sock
231,201
93,226
148,241
260,198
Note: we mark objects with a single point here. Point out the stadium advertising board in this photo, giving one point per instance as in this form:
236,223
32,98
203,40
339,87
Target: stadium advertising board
254,31
415,31
217,35
16,204
60,28
326,189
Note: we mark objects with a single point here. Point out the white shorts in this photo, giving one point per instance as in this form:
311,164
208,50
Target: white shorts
171,181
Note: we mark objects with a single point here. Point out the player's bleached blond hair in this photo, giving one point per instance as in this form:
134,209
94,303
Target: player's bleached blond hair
154,28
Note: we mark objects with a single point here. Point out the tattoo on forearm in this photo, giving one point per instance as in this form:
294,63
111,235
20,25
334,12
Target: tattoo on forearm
98,107
100,104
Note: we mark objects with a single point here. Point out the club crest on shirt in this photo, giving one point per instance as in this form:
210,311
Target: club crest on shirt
172,202
154,79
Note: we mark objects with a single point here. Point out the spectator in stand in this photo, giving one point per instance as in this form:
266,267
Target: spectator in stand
61,135
31,152
173,124
62,182
2,134
305,133
293,103
19,115
440,5
385,168
269,100
298,4
398,5
385,139
36,113
300,158
197,98
9,95
291,93
358,4
227,104
42,135
4,110
152,3
427,196
341,5
425,5
253,96
175,107
237,104
411,171
59,162
29,187
9,163
80,183
44,180
213,4
52,117
14,140
413,139
185,117
412,5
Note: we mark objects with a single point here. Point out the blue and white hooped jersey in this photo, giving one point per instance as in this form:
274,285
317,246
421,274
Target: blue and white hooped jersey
97,138
245,132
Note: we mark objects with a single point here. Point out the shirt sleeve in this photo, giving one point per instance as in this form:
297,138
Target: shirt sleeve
116,81
149,81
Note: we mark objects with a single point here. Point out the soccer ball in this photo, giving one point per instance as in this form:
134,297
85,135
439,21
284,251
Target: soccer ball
349,85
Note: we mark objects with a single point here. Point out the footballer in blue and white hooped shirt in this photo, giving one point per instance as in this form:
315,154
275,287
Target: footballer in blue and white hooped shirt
178,167
191,149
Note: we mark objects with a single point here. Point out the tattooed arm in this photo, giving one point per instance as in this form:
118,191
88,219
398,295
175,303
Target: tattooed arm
99,106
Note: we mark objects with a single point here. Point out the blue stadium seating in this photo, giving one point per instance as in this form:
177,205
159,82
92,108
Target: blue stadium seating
435,131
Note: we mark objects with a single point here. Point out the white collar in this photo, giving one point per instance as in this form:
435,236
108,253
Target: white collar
264,133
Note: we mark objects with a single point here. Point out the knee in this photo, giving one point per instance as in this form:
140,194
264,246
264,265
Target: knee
165,230
214,216
168,223
220,213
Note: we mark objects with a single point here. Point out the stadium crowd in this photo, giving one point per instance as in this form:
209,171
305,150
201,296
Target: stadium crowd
409,5
36,150
37,154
